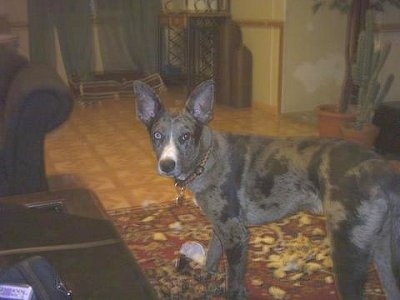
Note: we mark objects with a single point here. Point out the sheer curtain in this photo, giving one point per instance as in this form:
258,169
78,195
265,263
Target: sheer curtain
128,34
72,20
41,37
127,30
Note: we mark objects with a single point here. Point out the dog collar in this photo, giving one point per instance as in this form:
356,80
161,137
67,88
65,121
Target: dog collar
180,185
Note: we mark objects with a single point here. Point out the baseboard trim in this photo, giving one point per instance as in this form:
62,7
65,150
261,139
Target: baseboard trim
267,108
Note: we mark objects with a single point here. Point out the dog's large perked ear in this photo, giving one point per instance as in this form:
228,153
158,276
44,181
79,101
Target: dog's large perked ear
201,102
148,104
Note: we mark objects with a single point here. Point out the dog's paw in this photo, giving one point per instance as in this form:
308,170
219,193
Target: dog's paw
203,276
237,294
186,266
212,269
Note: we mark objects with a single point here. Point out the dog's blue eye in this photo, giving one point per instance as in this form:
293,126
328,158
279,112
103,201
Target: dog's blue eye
184,137
157,135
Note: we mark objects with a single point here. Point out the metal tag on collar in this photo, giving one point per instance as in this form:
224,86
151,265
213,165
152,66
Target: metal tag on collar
180,190
199,170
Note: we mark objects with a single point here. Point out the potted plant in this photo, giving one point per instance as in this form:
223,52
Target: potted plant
365,71
330,116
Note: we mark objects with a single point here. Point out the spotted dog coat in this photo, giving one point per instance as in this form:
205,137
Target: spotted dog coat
249,180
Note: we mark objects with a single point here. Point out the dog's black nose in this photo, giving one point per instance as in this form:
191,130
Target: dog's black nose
167,165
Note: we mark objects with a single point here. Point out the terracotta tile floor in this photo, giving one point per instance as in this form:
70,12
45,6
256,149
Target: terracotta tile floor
104,148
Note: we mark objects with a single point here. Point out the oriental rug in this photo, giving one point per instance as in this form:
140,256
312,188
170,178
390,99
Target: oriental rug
287,259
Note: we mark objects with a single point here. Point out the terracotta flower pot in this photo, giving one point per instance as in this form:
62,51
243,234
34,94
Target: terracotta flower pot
365,136
330,119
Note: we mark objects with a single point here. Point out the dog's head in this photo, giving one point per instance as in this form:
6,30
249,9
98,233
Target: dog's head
178,139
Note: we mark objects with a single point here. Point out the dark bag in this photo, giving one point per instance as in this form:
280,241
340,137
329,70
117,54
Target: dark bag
34,279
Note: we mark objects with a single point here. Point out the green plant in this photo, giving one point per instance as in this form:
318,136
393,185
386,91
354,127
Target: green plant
370,59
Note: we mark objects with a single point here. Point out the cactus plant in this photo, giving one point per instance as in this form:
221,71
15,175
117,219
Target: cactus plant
365,72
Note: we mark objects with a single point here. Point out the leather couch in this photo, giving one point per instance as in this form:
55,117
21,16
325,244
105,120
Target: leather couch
33,101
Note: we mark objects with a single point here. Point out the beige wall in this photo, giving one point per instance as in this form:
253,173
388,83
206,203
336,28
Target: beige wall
313,56
261,24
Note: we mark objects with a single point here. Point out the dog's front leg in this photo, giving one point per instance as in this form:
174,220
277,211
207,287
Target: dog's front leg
214,254
234,237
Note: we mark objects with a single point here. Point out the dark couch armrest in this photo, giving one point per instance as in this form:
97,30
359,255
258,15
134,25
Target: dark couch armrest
38,101
38,79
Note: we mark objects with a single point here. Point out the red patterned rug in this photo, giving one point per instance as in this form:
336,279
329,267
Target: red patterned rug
287,260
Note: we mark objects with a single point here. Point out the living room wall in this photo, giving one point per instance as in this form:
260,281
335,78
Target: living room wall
314,54
261,22
310,52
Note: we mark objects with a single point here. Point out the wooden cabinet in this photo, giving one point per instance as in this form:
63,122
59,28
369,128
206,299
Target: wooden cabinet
189,46
196,45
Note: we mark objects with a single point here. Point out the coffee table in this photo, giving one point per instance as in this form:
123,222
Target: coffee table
72,231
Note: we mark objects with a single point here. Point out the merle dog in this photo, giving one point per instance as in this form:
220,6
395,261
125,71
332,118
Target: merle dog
241,180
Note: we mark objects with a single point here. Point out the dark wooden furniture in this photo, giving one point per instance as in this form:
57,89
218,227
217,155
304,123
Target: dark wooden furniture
188,45
198,45
387,118
72,231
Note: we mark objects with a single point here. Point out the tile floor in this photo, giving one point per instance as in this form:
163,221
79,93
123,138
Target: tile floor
104,148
